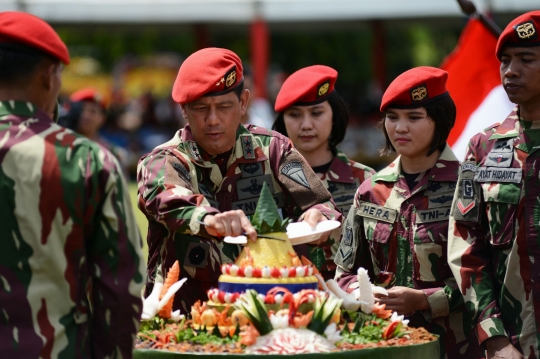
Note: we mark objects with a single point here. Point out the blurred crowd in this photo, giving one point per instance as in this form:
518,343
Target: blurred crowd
131,126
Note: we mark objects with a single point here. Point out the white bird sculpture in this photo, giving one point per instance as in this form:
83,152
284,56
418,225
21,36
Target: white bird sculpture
361,298
152,305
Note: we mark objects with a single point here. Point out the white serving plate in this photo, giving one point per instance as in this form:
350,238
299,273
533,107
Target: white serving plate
302,232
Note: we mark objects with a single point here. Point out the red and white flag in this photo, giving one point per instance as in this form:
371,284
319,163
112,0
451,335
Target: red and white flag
475,85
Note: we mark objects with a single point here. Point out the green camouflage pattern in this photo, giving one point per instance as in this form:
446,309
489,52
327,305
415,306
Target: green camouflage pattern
342,179
71,266
494,247
179,184
393,229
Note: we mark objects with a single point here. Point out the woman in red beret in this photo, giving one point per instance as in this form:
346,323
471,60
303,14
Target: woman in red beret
398,228
313,115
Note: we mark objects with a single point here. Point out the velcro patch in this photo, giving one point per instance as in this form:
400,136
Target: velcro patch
433,215
194,150
294,171
182,170
251,169
247,146
440,201
374,211
465,207
437,188
494,174
499,159
504,145
251,187
249,205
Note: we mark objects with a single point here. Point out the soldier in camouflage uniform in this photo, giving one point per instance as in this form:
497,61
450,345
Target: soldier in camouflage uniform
398,225
494,232
311,112
71,267
212,171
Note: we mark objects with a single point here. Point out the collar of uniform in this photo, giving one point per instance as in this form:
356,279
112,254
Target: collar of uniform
440,172
240,149
340,168
246,148
509,128
191,148
19,108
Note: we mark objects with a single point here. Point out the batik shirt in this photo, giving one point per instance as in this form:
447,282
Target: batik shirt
179,183
71,267
342,179
391,228
494,248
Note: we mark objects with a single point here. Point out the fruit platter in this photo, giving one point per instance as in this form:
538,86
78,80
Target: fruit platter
270,302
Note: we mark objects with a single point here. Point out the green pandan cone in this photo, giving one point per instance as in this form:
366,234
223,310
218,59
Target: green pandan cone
266,218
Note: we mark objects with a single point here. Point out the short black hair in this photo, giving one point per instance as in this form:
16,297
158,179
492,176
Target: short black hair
239,88
441,111
19,62
340,120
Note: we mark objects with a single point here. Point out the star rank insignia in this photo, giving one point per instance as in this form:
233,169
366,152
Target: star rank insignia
247,146
194,150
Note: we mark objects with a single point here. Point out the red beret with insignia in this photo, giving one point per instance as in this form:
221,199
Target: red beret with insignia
415,88
25,29
207,72
87,94
308,86
521,32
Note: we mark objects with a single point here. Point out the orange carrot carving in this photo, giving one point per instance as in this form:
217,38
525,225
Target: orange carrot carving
172,277
380,311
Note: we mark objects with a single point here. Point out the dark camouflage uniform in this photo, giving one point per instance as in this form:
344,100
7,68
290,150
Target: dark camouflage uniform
342,180
391,229
71,268
179,184
494,242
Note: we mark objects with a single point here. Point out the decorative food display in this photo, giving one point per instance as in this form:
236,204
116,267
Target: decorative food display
272,302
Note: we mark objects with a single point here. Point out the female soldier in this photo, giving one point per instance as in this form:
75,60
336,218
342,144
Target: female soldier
315,118
398,226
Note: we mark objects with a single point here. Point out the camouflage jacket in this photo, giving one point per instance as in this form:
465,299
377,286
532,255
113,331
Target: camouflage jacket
391,229
494,248
179,184
71,266
342,180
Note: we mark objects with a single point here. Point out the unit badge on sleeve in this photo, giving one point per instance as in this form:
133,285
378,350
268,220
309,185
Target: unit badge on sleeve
465,207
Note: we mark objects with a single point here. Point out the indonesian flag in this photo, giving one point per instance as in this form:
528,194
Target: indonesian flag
475,85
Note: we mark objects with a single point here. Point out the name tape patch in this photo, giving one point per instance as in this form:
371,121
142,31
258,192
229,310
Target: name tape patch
494,174
374,211
433,215
249,205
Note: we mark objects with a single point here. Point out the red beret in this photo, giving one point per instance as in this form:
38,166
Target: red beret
88,94
307,86
415,88
26,29
207,72
521,32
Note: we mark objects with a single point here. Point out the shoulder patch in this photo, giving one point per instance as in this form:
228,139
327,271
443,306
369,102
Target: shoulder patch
182,170
466,204
380,213
295,172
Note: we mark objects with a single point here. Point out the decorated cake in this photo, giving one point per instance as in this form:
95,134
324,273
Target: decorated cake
269,302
